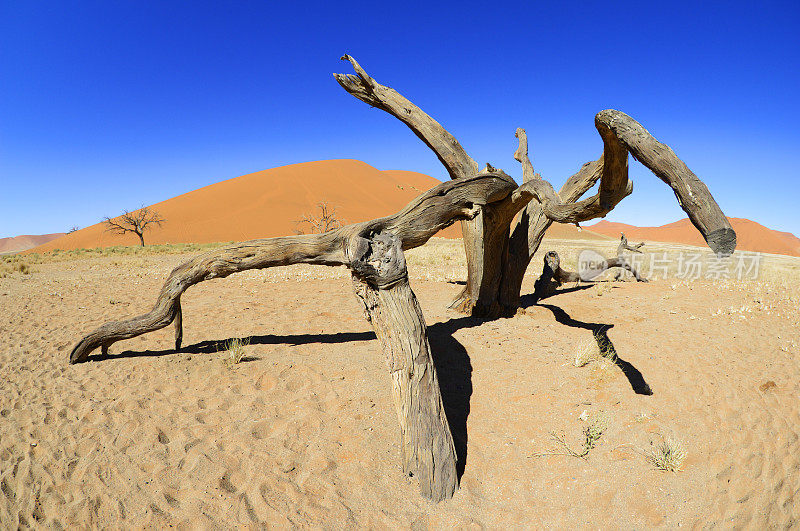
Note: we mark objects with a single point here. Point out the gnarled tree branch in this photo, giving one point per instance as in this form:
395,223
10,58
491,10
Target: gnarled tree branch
414,225
693,195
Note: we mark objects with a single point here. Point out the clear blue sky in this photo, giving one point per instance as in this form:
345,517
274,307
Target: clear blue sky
111,105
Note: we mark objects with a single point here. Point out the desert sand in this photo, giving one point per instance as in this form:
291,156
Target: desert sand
750,236
302,432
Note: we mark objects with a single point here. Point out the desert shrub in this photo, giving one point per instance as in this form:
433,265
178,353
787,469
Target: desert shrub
587,352
14,264
234,351
595,427
668,455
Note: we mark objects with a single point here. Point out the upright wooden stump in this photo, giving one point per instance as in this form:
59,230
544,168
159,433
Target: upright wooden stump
381,282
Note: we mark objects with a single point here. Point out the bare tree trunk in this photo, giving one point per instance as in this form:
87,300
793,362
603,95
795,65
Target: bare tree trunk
141,238
426,444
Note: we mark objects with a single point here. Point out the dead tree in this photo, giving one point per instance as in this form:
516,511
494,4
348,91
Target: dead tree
624,263
552,277
486,202
497,253
325,221
136,222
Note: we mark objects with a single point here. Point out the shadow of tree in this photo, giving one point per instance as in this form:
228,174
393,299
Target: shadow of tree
600,332
214,346
454,370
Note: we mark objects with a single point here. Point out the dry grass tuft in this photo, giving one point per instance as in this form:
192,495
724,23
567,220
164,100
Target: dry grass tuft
601,288
602,372
13,264
588,351
668,456
234,351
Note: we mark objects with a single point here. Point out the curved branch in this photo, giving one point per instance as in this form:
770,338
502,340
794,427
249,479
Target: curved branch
693,195
451,154
621,134
430,212
614,183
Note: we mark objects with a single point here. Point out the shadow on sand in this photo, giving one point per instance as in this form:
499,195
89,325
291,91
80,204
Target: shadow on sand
600,332
452,362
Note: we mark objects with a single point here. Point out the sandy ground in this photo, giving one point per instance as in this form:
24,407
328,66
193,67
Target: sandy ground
303,433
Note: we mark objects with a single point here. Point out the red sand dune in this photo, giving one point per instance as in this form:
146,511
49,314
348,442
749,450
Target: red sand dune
268,203
27,241
750,235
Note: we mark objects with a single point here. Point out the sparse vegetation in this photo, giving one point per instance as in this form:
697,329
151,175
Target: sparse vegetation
602,372
601,354
61,255
601,288
595,427
234,351
14,264
668,455
588,351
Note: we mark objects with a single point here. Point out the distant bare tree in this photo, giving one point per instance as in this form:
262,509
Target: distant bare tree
324,222
136,222
74,228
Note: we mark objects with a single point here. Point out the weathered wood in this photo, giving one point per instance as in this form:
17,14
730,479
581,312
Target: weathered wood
426,444
496,262
521,156
479,236
178,324
692,194
618,130
451,154
498,254
423,217
625,246
553,275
